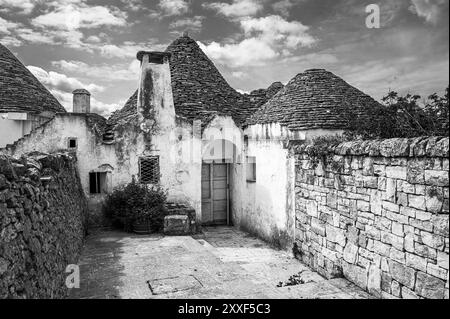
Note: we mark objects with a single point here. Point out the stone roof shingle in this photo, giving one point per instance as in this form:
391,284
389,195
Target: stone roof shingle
20,91
314,99
199,90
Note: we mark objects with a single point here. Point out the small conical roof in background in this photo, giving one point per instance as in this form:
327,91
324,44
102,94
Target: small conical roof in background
314,99
20,91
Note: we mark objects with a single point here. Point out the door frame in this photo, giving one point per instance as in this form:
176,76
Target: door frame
211,187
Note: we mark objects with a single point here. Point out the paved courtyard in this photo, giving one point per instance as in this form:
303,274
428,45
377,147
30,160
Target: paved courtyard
221,263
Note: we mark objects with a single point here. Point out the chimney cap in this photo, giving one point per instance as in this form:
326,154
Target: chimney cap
154,56
81,91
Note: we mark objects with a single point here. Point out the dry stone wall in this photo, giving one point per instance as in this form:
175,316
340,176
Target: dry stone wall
43,214
377,213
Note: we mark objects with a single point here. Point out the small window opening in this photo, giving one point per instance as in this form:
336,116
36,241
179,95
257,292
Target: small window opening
149,172
73,143
251,169
97,183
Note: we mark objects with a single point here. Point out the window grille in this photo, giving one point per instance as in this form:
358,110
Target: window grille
149,172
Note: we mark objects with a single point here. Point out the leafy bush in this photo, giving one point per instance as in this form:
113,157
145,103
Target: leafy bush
136,203
319,149
400,116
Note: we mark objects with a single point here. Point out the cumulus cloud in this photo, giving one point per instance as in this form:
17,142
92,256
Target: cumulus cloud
61,82
283,7
238,8
430,10
128,49
20,6
105,72
62,86
79,15
174,7
7,26
193,24
266,38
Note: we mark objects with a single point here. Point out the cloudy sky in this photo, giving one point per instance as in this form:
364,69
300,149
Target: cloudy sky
92,44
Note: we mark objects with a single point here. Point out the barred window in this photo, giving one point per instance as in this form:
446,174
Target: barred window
149,170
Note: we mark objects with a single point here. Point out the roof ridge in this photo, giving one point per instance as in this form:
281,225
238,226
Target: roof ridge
15,79
310,100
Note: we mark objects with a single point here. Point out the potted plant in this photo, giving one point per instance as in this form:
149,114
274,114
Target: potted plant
137,208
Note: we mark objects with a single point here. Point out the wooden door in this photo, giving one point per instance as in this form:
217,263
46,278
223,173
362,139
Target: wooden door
215,199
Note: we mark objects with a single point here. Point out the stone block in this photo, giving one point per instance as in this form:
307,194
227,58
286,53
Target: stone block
391,190
379,170
404,275
396,172
371,182
374,280
416,262
441,225
381,248
436,178
415,171
336,235
434,199
332,200
311,208
436,271
419,190
402,199
443,260
355,274
425,251
352,235
429,286
318,227
432,240
350,253
397,229
391,207
421,225
409,243
405,187
386,282
397,255
177,225
396,289
363,206
417,202
408,294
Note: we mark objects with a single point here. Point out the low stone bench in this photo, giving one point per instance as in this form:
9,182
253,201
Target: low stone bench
180,220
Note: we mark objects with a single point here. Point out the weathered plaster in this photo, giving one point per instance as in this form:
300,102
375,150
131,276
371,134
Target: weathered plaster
265,207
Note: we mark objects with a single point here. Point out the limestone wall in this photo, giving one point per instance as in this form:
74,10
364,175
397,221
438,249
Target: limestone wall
42,224
377,212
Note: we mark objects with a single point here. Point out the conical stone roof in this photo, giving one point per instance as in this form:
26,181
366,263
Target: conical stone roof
20,91
315,99
199,90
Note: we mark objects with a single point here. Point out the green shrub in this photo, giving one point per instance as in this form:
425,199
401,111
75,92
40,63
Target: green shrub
399,116
136,203
318,150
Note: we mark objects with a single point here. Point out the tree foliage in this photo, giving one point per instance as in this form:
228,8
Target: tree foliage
136,203
400,116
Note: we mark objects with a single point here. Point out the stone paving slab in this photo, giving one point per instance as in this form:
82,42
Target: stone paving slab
221,263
